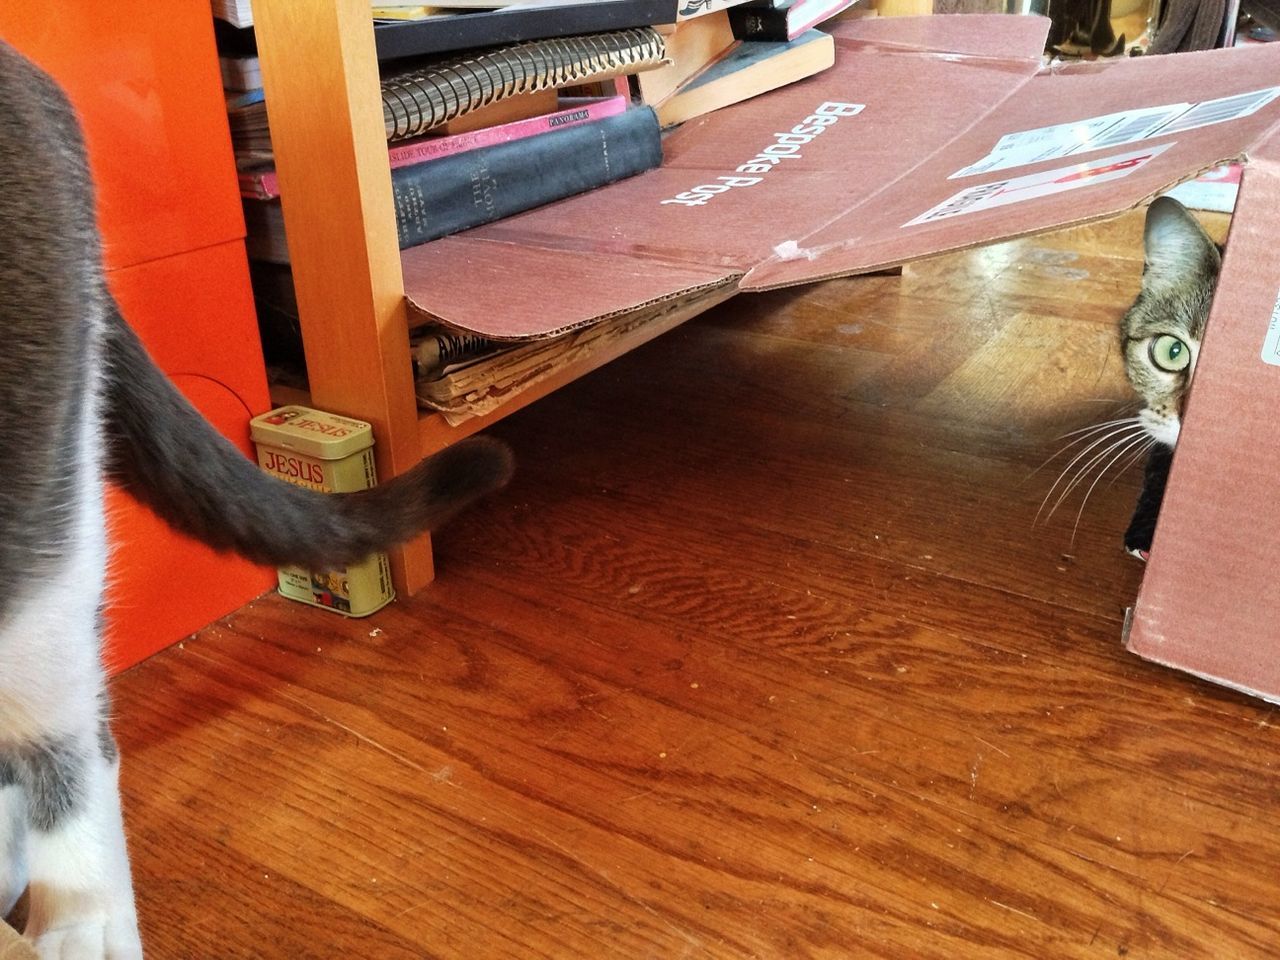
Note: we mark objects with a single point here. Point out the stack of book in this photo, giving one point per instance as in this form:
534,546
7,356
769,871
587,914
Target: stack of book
493,107
724,53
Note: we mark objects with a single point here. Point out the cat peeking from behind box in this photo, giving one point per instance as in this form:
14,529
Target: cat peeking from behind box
1160,335
1161,332
80,400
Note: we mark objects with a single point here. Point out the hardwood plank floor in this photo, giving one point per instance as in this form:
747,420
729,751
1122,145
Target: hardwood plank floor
763,654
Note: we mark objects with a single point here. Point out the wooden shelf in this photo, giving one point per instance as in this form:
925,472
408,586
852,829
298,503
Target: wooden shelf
320,76
436,433
434,430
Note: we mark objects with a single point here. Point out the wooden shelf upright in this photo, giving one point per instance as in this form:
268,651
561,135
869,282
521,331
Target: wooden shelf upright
320,76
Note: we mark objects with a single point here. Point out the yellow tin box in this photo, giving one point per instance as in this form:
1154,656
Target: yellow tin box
330,454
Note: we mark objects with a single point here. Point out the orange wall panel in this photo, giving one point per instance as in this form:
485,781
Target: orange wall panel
144,78
195,313
146,84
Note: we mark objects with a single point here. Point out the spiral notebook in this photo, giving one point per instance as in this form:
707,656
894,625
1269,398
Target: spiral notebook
428,95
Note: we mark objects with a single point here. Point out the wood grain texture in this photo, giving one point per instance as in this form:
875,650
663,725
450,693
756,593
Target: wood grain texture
761,655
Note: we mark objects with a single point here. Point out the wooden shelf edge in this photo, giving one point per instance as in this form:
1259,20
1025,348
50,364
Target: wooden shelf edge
436,433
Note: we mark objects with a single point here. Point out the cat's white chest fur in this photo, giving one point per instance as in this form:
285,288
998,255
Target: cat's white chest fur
49,639
82,899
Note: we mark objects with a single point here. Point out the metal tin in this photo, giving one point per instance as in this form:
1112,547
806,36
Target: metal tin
329,454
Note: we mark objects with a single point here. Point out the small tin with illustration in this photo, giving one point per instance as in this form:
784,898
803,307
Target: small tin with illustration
329,454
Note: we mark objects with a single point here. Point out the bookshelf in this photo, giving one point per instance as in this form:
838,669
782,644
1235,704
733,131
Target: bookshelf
320,75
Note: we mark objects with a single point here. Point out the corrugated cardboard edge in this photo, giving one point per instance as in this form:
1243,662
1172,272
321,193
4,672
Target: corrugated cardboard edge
849,256
420,315
583,349
950,38
1242,158
1182,668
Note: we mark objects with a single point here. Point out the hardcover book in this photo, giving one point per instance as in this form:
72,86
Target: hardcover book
240,73
693,46
783,19
454,193
691,9
515,23
751,68
447,27
263,184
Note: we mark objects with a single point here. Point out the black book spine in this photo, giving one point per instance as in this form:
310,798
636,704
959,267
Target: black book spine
484,28
449,194
750,24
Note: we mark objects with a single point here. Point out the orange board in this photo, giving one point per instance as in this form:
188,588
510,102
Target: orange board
195,312
146,84
147,88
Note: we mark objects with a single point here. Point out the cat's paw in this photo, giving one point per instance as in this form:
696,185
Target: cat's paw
90,940
84,926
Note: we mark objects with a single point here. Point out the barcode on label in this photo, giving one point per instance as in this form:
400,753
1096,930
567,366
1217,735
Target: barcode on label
1114,130
1035,186
962,201
1223,109
1134,128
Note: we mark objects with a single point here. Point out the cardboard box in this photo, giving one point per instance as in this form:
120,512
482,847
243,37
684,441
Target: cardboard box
933,134
751,197
1205,603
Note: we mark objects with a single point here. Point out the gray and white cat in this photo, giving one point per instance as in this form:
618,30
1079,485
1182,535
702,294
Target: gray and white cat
79,400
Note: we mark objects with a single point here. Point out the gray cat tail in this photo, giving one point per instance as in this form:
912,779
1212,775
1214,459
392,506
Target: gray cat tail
171,459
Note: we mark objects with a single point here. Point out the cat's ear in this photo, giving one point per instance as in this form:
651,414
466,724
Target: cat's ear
1177,250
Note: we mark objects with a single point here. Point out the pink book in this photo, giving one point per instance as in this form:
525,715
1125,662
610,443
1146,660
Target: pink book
263,184
821,14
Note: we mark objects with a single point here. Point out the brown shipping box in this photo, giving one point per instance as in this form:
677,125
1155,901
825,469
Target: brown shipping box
933,134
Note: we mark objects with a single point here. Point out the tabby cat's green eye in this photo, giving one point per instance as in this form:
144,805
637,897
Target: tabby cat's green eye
1170,353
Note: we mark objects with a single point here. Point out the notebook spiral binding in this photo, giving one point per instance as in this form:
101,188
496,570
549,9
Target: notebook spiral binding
427,96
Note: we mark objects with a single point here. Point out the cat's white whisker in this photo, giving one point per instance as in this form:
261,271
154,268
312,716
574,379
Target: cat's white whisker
1094,427
1133,458
1137,441
1086,434
1123,433
1084,472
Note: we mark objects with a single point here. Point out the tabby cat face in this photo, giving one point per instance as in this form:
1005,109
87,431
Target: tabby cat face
1163,329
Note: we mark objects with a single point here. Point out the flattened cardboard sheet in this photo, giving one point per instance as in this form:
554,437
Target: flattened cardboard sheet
1208,603
929,134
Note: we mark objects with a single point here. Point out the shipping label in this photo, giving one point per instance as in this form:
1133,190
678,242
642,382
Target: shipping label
1271,345
999,193
1114,130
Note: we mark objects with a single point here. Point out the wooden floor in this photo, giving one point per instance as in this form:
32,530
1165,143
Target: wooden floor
762,655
